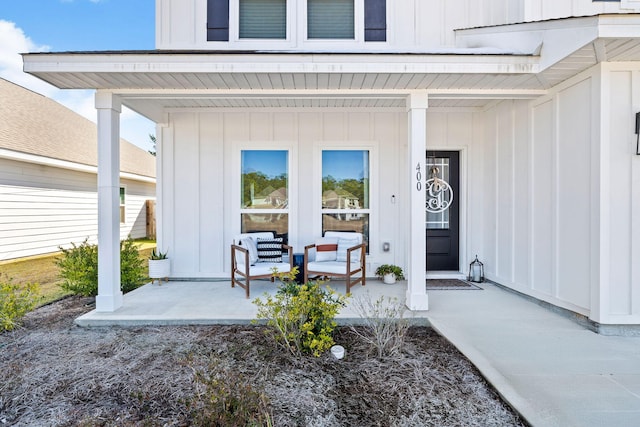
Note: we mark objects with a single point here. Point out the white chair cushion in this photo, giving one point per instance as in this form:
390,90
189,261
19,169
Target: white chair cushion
262,268
326,249
250,244
343,245
334,267
344,235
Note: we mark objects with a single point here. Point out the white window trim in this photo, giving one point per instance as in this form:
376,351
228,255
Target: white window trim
234,29
372,147
292,191
358,29
123,217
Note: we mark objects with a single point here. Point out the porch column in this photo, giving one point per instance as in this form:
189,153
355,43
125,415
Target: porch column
417,298
109,294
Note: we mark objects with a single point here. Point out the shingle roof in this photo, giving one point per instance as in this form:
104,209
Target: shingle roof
34,124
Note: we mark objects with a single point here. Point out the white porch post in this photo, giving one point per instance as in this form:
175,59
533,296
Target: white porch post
417,298
109,294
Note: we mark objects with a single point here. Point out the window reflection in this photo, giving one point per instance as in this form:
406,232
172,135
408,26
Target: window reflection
345,191
264,179
264,198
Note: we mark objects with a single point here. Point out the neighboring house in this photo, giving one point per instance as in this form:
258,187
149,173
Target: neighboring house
48,185
526,108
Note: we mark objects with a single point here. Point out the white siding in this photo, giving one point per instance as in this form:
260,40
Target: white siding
413,24
538,10
620,196
538,202
560,206
200,162
42,208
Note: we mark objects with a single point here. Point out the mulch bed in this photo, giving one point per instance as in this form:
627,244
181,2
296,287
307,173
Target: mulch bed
57,374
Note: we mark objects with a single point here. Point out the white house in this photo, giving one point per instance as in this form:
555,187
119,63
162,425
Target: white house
525,107
48,167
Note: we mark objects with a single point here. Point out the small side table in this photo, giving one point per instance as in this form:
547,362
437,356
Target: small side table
298,261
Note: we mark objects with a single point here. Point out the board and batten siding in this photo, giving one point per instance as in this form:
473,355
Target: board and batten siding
200,165
538,10
562,195
619,273
538,196
44,207
414,24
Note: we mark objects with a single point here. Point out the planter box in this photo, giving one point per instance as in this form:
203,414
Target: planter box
159,269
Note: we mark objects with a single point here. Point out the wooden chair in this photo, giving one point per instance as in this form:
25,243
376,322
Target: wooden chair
246,264
349,261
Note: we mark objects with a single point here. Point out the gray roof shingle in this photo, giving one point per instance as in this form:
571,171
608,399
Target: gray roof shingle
34,124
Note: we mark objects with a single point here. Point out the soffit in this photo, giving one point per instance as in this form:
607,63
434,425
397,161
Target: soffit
156,81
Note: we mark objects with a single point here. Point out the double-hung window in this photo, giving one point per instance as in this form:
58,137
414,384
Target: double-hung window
123,213
265,188
346,191
256,19
259,20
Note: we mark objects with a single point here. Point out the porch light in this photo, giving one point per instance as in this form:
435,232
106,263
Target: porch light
476,271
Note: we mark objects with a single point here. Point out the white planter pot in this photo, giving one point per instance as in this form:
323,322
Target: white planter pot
159,269
389,278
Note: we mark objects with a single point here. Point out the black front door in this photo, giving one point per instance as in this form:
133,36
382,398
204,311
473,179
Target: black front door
443,213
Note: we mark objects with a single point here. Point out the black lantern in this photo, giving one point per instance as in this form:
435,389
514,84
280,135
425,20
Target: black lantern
476,271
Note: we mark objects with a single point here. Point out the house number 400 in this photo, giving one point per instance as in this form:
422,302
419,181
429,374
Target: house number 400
418,178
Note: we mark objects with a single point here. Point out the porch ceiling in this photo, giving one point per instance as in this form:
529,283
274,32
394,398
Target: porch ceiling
154,82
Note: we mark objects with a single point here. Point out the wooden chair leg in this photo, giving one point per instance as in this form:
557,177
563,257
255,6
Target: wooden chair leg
247,287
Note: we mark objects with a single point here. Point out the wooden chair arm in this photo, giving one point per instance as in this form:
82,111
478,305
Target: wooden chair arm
234,263
362,247
306,253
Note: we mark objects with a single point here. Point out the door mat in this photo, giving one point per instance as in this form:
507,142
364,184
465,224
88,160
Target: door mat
450,285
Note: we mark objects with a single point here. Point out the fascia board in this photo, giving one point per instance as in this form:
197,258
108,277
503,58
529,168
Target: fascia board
332,64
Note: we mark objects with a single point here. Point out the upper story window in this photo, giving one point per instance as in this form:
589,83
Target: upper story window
270,21
263,19
330,19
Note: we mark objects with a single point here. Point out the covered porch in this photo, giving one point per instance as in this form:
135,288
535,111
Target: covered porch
511,99
216,302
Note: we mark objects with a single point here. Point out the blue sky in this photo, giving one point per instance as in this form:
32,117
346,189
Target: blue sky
270,162
76,25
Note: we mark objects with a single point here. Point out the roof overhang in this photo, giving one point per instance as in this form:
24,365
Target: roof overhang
507,61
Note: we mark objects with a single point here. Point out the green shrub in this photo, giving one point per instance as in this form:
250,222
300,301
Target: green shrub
301,317
15,301
132,273
79,268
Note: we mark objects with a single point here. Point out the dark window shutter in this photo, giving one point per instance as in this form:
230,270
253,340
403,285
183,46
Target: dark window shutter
218,20
375,20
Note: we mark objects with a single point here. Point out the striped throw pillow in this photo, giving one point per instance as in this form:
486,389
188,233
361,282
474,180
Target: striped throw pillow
270,250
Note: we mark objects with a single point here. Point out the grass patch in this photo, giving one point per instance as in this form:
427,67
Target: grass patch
43,270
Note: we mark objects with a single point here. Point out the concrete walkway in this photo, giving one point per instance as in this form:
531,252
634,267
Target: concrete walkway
550,369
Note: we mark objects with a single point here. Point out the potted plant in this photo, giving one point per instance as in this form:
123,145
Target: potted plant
389,273
159,266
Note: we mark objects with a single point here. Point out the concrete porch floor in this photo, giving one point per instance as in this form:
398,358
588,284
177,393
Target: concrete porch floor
550,369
